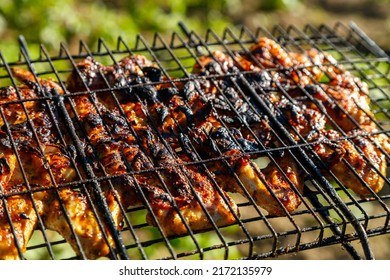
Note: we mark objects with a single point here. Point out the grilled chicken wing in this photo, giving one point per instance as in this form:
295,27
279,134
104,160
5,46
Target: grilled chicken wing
32,167
18,215
345,99
23,213
344,96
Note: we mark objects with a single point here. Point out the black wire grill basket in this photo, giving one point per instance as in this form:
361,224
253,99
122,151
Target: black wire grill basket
330,215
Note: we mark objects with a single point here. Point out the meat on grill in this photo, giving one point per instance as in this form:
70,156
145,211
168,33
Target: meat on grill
344,99
29,165
41,163
215,131
354,160
189,109
171,145
325,84
176,193
359,163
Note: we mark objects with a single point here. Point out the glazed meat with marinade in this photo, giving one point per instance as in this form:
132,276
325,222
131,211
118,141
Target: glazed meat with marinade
215,130
176,111
179,147
355,161
207,113
176,192
43,163
323,88
19,211
344,97
275,188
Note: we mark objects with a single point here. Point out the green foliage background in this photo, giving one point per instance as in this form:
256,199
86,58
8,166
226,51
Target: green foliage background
51,21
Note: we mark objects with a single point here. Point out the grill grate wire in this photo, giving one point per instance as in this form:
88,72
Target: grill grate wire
335,215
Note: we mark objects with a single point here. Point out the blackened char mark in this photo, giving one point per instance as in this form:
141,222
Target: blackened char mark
144,90
190,90
165,94
153,73
204,113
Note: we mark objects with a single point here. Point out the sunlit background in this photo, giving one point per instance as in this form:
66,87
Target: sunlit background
51,22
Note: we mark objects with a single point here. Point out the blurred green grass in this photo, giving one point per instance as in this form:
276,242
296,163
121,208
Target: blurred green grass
50,22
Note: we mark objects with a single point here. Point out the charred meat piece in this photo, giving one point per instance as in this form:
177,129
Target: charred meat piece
112,163
39,169
186,110
327,88
18,212
278,185
195,108
343,96
271,190
45,164
345,99
357,162
192,191
218,63
348,108
174,193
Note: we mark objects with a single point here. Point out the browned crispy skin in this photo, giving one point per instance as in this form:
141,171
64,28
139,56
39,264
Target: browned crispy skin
13,110
172,185
265,185
191,190
44,163
21,210
344,99
18,208
358,163
23,217
185,123
348,108
364,167
344,96
23,214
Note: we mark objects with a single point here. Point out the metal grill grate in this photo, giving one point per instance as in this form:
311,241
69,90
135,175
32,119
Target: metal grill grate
330,214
